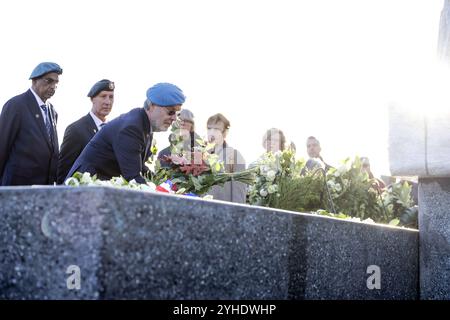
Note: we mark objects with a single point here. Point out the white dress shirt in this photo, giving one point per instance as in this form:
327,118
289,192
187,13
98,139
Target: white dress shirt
40,103
97,121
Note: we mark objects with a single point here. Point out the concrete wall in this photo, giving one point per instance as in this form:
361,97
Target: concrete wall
419,146
135,245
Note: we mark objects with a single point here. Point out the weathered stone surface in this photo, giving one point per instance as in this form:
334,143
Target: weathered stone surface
434,220
135,245
418,144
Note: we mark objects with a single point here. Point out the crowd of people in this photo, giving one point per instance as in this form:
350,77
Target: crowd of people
30,152
29,146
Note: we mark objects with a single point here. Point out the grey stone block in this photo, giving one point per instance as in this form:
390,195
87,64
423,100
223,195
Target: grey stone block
135,245
434,227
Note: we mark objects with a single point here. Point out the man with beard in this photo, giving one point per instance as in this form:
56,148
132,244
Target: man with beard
315,160
79,133
122,147
29,142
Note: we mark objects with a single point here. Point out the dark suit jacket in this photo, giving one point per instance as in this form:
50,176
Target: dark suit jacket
118,149
27,156
76,137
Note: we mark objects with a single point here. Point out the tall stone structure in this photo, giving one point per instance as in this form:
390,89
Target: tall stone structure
419,145
444,33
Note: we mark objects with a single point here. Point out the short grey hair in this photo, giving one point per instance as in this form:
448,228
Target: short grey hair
187,115
147,104
312,138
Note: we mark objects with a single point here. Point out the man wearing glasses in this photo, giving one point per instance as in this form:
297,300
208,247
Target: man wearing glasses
28,139
79,133
122,147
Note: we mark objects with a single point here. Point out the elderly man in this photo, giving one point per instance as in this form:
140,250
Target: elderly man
79,133
28,140
232,191
122,147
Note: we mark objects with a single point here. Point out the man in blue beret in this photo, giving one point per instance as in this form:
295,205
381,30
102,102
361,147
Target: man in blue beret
29,142
79,133
123,146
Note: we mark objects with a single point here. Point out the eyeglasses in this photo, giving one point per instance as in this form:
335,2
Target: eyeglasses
50,81
173,112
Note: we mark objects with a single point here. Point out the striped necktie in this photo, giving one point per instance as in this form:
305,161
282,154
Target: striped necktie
48,122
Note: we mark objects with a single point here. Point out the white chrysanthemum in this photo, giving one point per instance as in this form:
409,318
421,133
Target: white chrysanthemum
264,169
342,169
86,178
271,175
263,193
119,181
272,189
72,182
150,187
368,220
345,182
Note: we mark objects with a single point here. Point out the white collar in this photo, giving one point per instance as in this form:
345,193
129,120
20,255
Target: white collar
38,99
97,121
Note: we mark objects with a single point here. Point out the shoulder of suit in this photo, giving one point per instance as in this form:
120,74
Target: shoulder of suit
19,101
75,125
82,120
20,97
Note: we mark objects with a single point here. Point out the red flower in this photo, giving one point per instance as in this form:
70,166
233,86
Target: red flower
194,169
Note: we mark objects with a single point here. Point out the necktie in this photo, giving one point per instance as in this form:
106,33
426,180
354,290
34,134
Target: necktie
102,125
48,122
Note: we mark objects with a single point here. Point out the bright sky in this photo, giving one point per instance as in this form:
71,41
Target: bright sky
309,67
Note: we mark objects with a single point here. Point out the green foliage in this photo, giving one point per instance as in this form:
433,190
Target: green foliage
354,193
300,193
343,192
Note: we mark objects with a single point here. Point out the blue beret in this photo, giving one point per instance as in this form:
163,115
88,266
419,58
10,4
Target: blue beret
44,68
102,85
165,95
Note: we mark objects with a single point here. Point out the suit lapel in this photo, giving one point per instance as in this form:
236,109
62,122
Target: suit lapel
37,116
148,144
91,127
148,135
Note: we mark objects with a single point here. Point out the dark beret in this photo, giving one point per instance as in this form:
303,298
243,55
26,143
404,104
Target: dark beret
102,85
